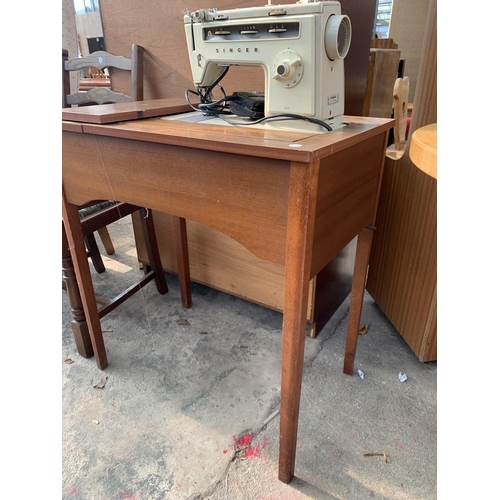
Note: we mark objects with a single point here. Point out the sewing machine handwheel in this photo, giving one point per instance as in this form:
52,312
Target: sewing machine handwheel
337,37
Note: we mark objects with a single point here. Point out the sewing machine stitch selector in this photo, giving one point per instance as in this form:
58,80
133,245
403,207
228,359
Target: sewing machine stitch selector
288,68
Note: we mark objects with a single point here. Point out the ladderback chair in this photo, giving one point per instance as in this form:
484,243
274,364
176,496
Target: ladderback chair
94,64
104,61
97,214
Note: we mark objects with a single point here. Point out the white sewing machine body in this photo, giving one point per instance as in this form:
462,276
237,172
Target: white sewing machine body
300,47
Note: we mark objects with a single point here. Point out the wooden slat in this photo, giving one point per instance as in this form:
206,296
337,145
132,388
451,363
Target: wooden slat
99,95
99,60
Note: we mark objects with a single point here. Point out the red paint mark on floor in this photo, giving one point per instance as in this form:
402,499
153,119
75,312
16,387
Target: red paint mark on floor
243,441
71,491
246,441
224,451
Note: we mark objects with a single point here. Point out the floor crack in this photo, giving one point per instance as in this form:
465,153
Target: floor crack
242,443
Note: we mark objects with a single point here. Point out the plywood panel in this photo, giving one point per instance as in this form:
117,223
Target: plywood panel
218,261
159,27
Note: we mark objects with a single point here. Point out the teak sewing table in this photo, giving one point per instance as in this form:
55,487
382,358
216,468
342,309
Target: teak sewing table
291,197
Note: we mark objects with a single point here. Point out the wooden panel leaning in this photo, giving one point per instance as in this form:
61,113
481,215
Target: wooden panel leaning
382,73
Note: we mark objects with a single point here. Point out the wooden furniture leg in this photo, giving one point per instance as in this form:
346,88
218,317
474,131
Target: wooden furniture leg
94,253
181,242
106,240
362,258
78,323
299,236
78,252
152,249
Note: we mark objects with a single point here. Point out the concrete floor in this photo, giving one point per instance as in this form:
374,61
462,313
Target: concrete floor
180,413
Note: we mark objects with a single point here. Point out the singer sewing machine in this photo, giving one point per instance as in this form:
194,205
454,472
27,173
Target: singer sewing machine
301,48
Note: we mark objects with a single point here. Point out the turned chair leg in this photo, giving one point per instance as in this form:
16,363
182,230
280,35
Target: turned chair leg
78,323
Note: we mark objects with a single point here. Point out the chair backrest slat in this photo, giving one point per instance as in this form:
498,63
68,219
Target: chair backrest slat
98,95
97,61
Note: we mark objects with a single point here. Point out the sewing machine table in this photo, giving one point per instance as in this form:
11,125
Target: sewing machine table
295,198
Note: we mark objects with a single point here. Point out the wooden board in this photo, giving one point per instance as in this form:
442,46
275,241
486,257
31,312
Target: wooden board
218,261
382,74
123,111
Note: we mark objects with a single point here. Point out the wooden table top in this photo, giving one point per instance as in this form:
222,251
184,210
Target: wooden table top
423,149
143,121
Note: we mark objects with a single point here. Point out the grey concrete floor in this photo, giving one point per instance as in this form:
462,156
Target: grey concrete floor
181,412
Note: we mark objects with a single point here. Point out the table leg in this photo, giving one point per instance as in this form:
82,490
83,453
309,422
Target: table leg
78,323
78,252
361,261
300,227
148,229
181,243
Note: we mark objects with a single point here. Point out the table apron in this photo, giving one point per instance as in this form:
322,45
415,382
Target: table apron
243,197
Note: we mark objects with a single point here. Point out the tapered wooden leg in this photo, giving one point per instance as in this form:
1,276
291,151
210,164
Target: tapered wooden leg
78,252
361,261
106,240
181,243
78,323
300,227
150,241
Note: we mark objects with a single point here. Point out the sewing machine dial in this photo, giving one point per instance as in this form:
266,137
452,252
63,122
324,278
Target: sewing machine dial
288,68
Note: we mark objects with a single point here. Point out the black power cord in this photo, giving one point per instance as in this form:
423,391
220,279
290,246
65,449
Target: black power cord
220,107
283,116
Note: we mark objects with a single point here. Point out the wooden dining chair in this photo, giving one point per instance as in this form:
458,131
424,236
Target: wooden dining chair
95,64
96,215
104,61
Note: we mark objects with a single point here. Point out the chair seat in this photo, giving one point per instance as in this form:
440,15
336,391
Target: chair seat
92,209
